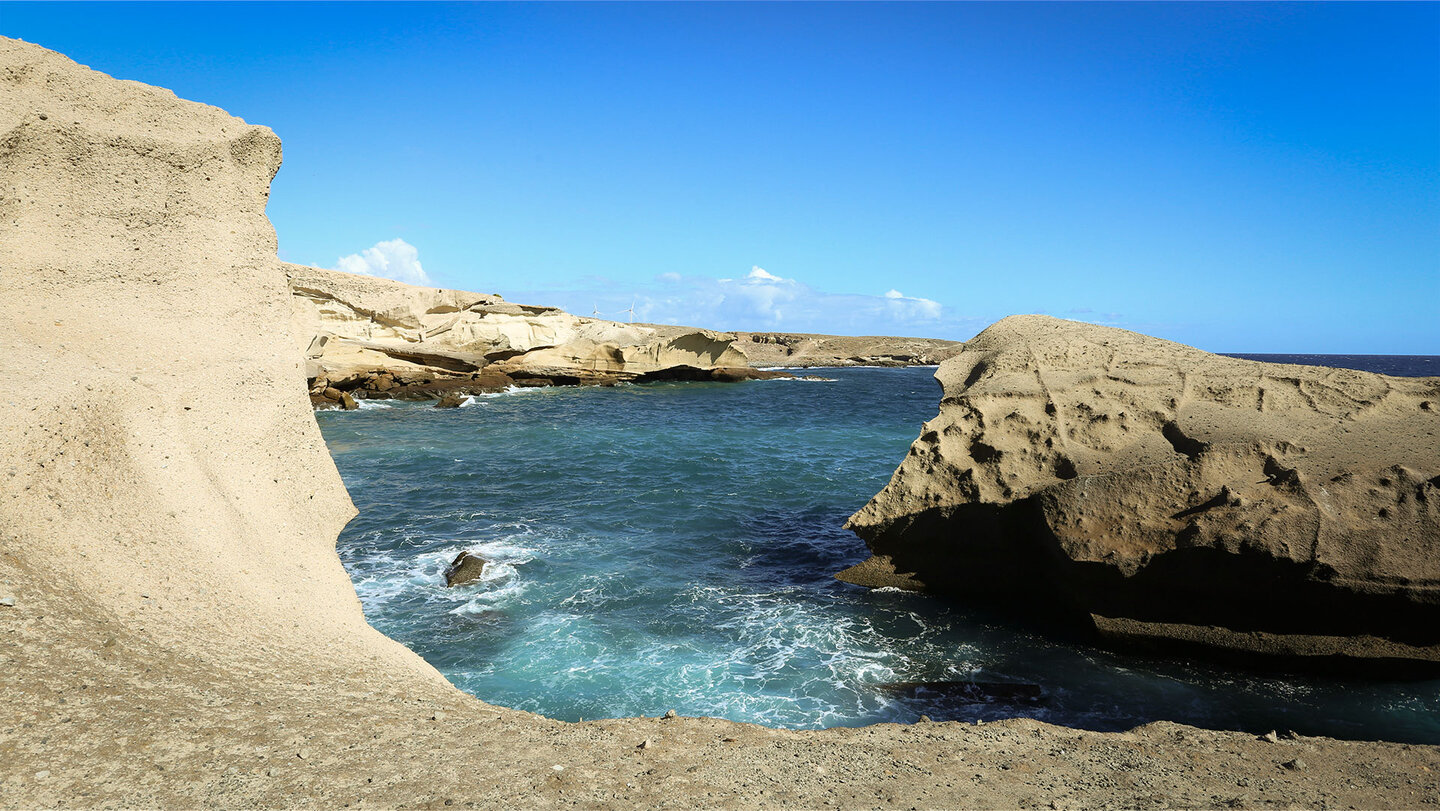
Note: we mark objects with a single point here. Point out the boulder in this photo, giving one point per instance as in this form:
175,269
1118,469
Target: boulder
465,568
452,400
1156,494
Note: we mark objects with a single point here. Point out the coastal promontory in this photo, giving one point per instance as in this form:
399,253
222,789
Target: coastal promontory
1165,496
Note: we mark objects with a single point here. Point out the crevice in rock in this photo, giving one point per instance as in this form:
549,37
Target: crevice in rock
1185,445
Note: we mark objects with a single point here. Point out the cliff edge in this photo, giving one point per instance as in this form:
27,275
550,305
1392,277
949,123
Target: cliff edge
141,285
1165,495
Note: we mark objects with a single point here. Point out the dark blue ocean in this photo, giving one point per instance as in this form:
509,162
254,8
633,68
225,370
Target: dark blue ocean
672,546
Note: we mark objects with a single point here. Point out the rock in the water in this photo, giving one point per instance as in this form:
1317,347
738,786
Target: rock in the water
452,401
464,569
1165,496
347,402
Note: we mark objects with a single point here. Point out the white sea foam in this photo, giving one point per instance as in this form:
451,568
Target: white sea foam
507,392
393,576
367,405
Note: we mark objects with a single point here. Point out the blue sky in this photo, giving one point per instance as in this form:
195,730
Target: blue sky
1238,177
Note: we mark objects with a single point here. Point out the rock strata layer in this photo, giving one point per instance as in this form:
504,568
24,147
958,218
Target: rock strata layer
1164,495
385,339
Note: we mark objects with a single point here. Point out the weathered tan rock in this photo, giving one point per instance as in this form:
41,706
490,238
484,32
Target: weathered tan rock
1173,494
368,323
804,349
142,290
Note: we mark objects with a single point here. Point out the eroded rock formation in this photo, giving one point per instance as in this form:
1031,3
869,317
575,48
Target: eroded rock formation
804,349
142,290
389,339
1165,494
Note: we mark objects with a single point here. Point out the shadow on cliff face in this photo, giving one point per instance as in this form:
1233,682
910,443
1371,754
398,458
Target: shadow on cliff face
1027,651
1006,557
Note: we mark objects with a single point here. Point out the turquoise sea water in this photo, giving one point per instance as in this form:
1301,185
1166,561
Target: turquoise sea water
672,546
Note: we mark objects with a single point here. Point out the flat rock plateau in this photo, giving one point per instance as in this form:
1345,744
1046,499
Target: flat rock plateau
176,630
804,349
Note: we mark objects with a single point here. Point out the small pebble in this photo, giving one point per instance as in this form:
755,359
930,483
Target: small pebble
1295,765
44,117
42,775
1271,736
438,716
7,601
645,744
303,753
669,714
924,719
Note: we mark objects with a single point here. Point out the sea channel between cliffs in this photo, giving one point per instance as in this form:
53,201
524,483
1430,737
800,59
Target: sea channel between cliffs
671,546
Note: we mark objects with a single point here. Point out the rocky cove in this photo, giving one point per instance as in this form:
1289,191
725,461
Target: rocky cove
178,630
381,339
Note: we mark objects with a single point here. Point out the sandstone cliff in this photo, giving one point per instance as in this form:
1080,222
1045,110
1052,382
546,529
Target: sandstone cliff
1166,494
353,328
177,632
141,286
804,349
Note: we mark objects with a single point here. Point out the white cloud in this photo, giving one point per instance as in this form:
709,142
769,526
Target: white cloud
912,308
392,259
760,301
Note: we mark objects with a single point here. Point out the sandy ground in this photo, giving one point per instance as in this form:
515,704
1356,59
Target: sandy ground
97,715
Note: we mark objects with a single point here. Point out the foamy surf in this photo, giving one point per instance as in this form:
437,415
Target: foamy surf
673,549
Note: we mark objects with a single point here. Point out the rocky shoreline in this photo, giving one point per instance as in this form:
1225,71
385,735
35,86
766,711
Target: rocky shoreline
370,338
389,384
177,630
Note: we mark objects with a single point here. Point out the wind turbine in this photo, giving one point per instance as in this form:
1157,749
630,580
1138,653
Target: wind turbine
631,310
596,310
